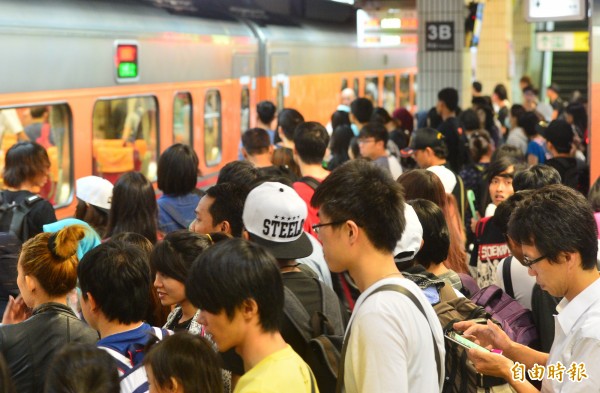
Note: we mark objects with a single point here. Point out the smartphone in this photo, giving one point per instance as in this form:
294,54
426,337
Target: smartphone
460,340
471,199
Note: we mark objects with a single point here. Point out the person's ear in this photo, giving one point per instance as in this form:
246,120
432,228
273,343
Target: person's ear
173,386
244,153
249,309
352,228
225,227
245,235
31,283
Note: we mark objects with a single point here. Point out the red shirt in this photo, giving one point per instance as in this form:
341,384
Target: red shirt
306,192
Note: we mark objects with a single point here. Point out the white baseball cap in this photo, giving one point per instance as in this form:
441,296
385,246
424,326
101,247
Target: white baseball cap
274,215
410,243
95,191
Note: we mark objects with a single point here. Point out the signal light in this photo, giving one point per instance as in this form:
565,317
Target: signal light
126,61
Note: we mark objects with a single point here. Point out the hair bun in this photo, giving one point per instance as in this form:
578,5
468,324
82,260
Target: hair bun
65,242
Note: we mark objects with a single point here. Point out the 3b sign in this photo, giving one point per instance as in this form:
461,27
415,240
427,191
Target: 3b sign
439,36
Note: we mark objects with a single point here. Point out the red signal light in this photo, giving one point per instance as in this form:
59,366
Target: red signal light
127,53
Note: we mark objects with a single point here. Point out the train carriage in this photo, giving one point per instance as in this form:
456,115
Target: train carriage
123,80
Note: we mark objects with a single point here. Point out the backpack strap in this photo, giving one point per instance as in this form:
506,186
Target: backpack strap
296,313
417,303
508,287
310,181
123,362
331,314
175,215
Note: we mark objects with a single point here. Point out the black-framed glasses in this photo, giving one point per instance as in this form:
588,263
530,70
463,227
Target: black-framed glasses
528,262
316,227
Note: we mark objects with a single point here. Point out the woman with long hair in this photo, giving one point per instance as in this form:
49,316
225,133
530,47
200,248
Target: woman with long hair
133,207
424,184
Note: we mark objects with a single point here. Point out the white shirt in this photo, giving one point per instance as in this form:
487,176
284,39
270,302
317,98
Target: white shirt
577,339
522,282
390,347
395,167
9,122
447,177
316,261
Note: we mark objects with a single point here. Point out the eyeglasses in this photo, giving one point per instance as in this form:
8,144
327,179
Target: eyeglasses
316,227
364,141
528,262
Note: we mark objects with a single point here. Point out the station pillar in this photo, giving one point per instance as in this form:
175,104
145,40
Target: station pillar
442,59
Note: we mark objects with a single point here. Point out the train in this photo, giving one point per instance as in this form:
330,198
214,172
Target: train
121,81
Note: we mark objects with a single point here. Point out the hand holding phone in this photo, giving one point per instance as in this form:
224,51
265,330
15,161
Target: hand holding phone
463,342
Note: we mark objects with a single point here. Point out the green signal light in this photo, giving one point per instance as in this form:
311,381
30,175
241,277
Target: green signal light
128,70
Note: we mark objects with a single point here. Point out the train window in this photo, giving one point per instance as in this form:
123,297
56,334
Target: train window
372,89
404,90
182,118
245,120
125,137
280,96
344,84
50,126
389,93
212,128
355,87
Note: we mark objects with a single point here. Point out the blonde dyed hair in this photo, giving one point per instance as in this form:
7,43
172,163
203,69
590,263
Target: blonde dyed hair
52,259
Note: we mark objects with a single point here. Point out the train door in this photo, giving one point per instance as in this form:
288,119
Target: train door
244,71
279,68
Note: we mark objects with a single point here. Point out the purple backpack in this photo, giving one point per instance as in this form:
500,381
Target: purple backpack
516,320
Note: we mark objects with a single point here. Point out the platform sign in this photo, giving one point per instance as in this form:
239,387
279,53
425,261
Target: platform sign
564,41
554,10
386,28
439,36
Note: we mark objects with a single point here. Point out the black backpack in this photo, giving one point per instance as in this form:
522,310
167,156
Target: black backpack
461,376
14,230
324,334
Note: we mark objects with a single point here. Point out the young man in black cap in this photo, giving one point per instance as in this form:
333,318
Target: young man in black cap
428,148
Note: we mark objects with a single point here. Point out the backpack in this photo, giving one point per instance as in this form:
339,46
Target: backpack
14,230
132,374
461,376
323,333
516,321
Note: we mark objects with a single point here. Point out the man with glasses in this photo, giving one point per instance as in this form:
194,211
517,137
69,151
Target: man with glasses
388,345
372,142
556,229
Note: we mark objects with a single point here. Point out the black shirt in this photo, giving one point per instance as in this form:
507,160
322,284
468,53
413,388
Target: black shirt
449,128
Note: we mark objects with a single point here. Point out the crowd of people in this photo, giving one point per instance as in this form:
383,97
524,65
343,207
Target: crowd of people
354,230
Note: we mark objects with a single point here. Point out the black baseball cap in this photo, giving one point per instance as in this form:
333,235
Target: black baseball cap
423,138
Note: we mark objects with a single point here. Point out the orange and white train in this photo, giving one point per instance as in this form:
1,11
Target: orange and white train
125,80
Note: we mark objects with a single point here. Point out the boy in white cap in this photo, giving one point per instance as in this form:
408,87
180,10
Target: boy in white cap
274,215
94,196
